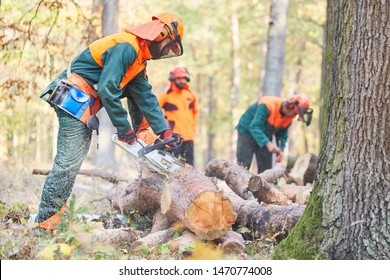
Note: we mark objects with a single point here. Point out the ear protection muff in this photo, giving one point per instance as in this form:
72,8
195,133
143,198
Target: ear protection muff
163,34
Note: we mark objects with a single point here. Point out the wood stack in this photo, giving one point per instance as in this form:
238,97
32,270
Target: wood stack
206,207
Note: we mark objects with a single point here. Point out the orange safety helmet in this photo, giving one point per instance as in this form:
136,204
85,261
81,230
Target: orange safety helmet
301,106
174,29
179,72
163,25
173,26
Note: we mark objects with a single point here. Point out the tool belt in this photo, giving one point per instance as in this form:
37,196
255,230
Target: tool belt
76,97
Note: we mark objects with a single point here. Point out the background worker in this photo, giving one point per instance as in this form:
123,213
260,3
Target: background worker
270,116
180,107
109,69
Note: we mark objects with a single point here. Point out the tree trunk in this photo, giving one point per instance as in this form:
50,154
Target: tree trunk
105,155
347,216
273,80
235,85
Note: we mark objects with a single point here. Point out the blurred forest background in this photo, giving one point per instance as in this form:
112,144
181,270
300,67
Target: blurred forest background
225,47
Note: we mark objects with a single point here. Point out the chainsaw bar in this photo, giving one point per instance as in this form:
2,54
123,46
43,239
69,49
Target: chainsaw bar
156,160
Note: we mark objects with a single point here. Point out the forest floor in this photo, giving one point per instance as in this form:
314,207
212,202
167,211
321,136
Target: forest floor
20,193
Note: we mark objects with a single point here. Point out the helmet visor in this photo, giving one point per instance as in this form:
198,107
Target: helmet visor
305,115
172,49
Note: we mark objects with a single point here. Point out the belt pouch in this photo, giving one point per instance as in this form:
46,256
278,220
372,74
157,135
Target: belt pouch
70,99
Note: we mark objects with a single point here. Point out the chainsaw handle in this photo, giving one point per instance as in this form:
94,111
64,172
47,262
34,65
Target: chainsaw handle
160,145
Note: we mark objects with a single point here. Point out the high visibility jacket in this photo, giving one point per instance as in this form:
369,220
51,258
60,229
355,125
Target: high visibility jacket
116,64
264,119
180,107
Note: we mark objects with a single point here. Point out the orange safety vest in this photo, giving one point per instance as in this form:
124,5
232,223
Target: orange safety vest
97,49
275,118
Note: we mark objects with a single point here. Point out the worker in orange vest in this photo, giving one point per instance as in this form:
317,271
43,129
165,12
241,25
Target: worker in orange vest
269,116
180,106
108,70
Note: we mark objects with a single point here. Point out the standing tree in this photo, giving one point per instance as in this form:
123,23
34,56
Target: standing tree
347,216
273,80
105,156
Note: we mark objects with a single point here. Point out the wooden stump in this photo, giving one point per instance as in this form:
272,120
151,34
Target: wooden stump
304,169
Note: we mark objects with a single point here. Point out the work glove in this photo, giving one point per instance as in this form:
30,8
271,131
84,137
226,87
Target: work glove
168,134
128,137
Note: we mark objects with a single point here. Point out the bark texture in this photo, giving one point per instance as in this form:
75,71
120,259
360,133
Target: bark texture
247,185
348,213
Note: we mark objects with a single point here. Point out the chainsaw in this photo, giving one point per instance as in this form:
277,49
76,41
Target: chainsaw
150,153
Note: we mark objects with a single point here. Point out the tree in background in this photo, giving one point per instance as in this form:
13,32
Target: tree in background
347,216
105,155
38,39
273,78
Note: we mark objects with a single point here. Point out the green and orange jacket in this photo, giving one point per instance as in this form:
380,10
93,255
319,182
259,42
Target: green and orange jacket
264,119
180,108
116,65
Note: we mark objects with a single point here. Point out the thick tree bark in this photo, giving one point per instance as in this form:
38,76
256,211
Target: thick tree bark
348,213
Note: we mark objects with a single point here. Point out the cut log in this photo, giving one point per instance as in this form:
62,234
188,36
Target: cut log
233,243
186,196
274,174
117,237
195,201
241,181
304,169
160,222
136,196
153,239
267,220
298,194
264,192
184,244
235,176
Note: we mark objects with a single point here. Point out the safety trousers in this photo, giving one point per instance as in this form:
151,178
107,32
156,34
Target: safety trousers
73,142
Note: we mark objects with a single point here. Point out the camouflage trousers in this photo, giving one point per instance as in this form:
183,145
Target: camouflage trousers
74,139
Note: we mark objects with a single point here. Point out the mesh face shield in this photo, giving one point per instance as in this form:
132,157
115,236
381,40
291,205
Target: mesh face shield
305,115
173,48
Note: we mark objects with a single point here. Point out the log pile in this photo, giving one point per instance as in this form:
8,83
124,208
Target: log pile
208,207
